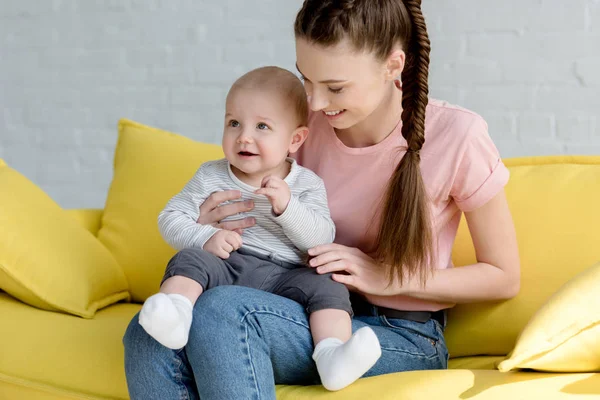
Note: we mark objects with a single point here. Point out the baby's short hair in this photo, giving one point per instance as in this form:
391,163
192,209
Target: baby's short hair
280,82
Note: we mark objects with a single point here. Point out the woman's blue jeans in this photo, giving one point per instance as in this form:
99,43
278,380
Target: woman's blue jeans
244,341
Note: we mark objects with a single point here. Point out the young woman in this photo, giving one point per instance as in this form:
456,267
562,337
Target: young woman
399,170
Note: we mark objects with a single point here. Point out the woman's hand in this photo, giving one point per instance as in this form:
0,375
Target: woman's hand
212,213
363,273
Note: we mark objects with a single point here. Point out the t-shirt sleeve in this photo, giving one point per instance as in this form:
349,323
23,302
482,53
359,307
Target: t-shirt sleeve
481,174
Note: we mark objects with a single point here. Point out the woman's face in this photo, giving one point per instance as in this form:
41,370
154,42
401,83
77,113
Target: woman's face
347,86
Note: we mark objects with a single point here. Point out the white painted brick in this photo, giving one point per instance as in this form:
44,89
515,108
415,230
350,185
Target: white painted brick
22,157
250,53
587,71
536,125
91,59
575,128
593,9
583,149
13,118
466,72
70,69
452,94
539,71
275,12
16,34
193,55
52,140
521,48
53,169
25,8
544,15
198,97
508,147
98,138
54,117
575,99
538,147
143,57
501,126
500,97
443,50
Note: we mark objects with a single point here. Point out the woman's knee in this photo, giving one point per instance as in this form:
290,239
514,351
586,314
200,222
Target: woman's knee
133,333
227,306
137,343
221,302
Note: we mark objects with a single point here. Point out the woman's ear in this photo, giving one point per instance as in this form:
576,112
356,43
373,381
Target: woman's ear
298,137
395,64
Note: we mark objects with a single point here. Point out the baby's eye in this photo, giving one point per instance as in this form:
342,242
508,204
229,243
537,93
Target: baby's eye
335,90
262,126
233,123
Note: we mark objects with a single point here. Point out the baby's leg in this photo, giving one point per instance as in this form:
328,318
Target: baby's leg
341,357
167,315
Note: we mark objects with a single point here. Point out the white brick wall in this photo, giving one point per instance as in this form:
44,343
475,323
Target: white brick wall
69,69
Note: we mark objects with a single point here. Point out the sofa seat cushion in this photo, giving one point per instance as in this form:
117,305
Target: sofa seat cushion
47,349
477,362
457,384
52,356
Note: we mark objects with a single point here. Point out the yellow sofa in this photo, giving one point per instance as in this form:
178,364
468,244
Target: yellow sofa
48,355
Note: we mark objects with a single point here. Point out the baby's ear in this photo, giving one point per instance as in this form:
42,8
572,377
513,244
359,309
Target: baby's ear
298,137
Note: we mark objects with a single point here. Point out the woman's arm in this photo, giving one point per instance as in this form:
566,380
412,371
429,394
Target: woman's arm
496,275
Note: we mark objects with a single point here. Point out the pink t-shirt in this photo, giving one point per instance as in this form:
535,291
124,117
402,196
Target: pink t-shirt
460,165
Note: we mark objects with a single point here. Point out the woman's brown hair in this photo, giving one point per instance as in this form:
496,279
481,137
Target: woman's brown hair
405,238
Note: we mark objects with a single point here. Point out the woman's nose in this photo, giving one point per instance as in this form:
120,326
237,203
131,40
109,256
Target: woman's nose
317,101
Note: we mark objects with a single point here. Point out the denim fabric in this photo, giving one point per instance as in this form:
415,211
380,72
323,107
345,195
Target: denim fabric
243,341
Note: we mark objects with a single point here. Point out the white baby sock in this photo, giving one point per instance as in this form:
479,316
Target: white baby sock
339,364
167,318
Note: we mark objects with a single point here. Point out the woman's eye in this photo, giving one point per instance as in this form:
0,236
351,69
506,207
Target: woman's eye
233,123
262,126
335,90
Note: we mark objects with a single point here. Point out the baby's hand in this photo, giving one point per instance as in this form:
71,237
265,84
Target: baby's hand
222,243
277,191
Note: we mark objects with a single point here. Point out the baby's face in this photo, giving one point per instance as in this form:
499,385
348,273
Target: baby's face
258,131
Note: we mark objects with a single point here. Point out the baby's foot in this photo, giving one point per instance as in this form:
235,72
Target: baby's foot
340,364
167,318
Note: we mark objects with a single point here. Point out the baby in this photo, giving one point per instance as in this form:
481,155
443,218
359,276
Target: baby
265,120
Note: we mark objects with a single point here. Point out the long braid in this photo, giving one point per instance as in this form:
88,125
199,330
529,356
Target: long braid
407,199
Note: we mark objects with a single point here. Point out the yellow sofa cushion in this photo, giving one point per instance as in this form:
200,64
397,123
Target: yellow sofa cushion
555,206
47,259
83,359
151,165
48,350
564,335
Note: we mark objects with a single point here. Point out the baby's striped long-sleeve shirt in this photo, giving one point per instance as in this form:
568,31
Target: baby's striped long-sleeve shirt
305,223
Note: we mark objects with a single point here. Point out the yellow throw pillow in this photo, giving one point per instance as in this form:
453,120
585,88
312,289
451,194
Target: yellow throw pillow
47,259
564,335
150,167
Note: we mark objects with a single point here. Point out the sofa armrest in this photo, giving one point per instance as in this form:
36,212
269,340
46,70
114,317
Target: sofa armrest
90,218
